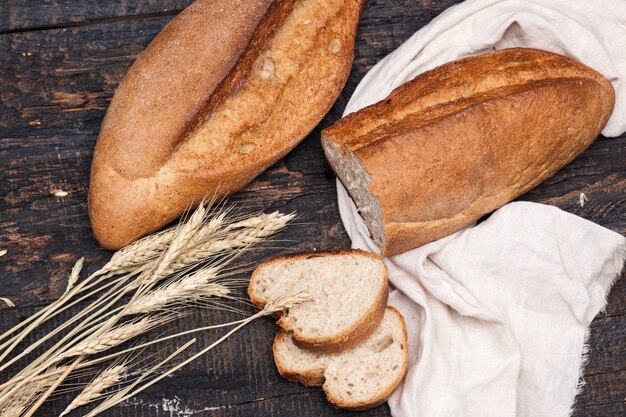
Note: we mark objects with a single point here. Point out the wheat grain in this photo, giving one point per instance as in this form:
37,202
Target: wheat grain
208,230
7,301
94,390
97,343
191,288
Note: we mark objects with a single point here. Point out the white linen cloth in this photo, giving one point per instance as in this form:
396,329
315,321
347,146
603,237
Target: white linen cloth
498,314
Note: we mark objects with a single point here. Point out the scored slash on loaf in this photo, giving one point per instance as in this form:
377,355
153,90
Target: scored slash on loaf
463,139
224,91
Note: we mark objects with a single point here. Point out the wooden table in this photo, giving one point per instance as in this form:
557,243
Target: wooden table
60,62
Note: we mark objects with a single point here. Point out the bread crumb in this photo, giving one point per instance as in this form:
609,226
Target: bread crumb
582,199
34,123
246,147
59,193
267,69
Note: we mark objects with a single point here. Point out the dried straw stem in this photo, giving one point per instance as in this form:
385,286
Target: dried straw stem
189,289
94,390
97,343
23,398
271,307
241,235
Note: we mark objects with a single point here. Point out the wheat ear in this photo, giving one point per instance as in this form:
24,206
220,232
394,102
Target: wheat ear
78,266
191,288
240,235
139,253
94,390
272,307
28,393
181,238
97,343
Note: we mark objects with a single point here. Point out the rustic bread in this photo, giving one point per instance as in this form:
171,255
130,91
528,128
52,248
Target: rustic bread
349,294
225,90
463,139
359,378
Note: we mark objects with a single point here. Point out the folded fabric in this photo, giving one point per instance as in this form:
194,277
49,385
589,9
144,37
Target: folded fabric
498,313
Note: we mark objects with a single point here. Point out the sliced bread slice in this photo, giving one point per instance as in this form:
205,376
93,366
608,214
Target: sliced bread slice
349,295
358,378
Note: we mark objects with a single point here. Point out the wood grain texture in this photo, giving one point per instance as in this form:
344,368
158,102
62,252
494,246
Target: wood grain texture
61,61
28,15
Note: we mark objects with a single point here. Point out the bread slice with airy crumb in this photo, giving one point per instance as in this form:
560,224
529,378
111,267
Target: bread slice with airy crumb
358,378
349,295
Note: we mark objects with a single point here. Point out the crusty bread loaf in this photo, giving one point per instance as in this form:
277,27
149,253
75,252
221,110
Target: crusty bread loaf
225,90
359,378
463,139
349,294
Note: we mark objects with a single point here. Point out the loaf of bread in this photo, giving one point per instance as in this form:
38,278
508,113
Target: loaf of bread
463,139
359,378
225,90
348,289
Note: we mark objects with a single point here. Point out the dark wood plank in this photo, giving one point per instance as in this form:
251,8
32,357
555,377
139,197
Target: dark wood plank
23,15
55,85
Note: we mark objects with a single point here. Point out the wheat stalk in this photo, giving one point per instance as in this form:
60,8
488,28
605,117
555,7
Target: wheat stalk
190,288
139,253
140,267
94,390
115,398
28,393
78,266
97,343
285,303
272,307
253,231
181,239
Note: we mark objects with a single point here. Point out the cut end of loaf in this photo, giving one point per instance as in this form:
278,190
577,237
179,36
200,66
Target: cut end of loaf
357,181
463,139
358,378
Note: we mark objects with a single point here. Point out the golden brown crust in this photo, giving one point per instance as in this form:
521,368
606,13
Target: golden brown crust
150,165
470,136
356,333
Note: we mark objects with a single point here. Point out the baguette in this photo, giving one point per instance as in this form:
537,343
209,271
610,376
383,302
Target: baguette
463,139
360,378
348,289
225,90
